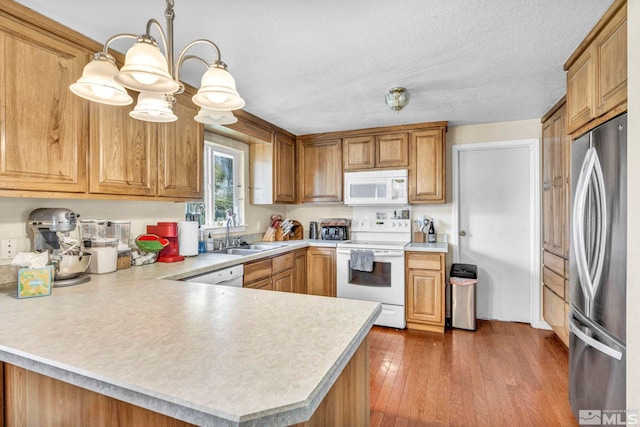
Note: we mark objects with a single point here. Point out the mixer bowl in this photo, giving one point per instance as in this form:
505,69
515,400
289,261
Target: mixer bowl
69,266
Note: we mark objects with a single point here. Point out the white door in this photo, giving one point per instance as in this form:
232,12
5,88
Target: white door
497,216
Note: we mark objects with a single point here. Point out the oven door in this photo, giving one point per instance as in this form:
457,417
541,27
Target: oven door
385,284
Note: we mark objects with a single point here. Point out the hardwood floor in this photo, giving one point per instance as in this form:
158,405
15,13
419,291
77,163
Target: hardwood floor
504,374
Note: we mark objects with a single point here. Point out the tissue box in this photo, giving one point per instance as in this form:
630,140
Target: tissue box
35,282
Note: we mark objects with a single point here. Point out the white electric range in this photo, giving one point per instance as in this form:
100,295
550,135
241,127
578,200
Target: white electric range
386,239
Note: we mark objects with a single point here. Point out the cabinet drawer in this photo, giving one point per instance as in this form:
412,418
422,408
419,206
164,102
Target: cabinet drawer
282,262
257,270
553,281
554,263
424,261
265,284
553,311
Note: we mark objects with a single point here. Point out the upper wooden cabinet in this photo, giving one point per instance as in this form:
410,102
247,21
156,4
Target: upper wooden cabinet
320,170
376,151
427,171
43,126
122,153
272,170
555,173
597,72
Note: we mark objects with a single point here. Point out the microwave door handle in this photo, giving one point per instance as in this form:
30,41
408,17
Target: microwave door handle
592,342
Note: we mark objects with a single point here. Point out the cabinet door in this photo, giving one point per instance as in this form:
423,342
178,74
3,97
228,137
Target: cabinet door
611,64
264,284
181,147
43,125
284,162
321,271
425,296
122,153
320,170
558,184
580,88
300,272
392,150
553,311
426,175
359,152
283,282
547,184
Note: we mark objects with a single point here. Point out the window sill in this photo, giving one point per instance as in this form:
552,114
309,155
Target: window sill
215,230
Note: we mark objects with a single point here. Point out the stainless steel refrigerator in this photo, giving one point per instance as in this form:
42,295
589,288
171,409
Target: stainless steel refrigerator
598,276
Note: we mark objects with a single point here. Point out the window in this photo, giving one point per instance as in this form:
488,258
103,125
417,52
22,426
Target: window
223,189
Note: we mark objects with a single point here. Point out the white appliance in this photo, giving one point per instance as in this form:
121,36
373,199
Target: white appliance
231,276
386,238
376,188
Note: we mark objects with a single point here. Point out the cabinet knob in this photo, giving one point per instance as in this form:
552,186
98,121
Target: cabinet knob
463,233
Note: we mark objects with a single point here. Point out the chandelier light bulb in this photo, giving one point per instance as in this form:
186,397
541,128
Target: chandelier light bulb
145,79
217,98
103,92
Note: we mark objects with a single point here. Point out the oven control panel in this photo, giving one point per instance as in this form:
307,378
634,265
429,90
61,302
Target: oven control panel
381,225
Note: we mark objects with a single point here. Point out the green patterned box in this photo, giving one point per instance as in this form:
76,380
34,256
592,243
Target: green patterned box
35,282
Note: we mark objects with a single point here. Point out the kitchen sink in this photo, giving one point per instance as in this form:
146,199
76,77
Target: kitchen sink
265,247
241,251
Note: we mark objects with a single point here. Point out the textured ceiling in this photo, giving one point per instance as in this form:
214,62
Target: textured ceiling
321,66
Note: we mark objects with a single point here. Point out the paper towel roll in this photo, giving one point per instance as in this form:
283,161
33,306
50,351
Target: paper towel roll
188,238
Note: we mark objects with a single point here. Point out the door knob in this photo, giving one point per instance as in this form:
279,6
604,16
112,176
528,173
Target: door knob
463,233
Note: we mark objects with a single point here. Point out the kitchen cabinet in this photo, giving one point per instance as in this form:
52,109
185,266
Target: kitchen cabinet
597,73
272,170
180,151
556,147
321,271
553,308
283,282
425,291
376,151
555,293
43,125
427,170
275,273
300,271
320,170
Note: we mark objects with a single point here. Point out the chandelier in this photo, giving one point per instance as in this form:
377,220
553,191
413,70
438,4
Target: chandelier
156,77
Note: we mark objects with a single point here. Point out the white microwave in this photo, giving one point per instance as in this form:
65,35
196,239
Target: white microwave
374,188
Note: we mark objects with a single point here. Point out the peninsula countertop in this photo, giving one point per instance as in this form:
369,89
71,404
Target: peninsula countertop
209,355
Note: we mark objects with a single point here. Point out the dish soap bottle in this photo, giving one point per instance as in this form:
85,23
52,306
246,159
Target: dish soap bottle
431,234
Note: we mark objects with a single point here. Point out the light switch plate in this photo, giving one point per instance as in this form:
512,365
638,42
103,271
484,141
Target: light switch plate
8,248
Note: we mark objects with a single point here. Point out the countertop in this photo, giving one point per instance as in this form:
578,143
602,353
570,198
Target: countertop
427,247
209,355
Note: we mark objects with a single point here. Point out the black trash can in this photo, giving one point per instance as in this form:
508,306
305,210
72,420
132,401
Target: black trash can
461,297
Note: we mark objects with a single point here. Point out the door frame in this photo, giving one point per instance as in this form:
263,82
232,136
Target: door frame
535,288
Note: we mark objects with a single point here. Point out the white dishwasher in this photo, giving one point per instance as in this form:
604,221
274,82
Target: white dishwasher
231,276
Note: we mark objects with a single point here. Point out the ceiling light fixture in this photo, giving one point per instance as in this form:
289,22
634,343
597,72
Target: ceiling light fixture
397,98
155,75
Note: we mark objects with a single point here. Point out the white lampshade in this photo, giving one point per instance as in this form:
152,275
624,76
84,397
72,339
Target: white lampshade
153,107
397,98
97,84
218,90
212,117
145,69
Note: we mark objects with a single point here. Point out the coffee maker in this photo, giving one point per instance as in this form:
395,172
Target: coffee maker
168,230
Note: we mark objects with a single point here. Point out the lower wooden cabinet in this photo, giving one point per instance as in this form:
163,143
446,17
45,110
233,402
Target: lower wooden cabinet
265,284
425,291
321,271
300,271
274,274
553,311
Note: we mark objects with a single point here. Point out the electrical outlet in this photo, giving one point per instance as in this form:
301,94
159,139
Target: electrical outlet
8,248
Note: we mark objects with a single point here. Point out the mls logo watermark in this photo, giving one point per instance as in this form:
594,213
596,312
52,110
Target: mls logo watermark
597,417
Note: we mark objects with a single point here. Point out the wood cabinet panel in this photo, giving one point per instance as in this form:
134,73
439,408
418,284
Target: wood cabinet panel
580,88
424,291
426,174
321,271
553,311
257,270
300,271
282,262
554,262
283,281
122,154
320,170
284,169
180,151
264,284
553,281
359,152
611,64
392,150
43,125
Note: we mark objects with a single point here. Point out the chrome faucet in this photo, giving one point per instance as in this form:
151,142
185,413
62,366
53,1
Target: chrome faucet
230,223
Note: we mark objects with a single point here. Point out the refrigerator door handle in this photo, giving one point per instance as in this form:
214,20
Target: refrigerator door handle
601,347
601,222
578,236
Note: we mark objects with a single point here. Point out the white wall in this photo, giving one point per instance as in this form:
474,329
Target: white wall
633,207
